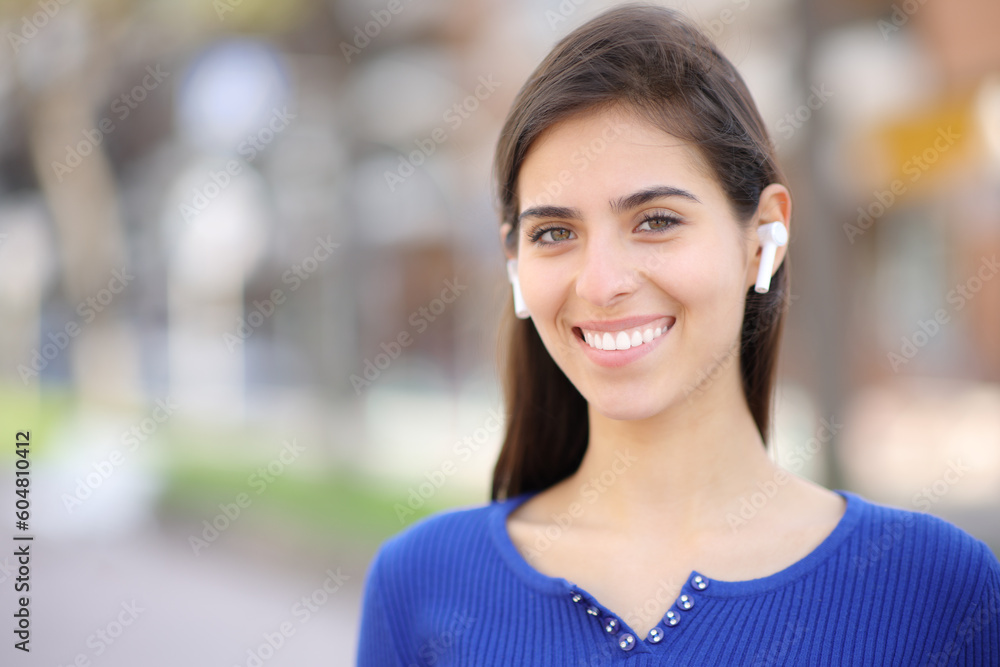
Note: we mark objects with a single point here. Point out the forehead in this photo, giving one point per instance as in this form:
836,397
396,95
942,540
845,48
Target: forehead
603,153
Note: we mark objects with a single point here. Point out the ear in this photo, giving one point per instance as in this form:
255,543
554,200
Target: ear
775,205
509,245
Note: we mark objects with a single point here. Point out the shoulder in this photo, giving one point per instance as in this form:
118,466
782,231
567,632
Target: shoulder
895,541
435,544
417,586
887,525
923,574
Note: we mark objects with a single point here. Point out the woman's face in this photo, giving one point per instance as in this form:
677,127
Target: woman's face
627,243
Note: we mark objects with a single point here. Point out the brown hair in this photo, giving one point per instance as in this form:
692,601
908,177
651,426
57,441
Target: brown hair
650,61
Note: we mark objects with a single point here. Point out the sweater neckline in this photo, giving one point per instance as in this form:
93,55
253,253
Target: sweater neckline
500,510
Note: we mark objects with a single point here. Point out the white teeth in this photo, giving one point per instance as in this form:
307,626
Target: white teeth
622,340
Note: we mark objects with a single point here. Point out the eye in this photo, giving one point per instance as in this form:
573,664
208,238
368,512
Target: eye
555,235
656,222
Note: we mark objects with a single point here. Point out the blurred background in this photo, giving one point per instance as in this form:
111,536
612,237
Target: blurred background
250,284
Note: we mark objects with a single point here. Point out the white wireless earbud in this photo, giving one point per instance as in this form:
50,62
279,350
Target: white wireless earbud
771,235
520,309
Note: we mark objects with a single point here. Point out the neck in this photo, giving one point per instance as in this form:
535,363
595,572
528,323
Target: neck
682,469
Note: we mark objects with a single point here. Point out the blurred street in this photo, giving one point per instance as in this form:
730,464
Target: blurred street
252,294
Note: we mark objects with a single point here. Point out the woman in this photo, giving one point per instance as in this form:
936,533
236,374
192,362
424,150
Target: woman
634,176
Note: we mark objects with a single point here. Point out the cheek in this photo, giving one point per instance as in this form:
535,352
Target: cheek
546,291
708,287
543,286
698,276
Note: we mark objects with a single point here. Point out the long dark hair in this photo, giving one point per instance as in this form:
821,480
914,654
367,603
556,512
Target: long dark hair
653,62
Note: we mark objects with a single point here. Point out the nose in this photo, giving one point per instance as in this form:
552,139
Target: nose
608,273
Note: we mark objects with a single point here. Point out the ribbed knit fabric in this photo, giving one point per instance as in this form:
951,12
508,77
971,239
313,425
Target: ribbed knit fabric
886,587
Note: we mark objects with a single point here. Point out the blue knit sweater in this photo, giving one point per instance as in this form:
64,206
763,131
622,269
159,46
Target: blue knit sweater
886,587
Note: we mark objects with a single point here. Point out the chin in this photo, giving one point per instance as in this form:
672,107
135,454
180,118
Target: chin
621,409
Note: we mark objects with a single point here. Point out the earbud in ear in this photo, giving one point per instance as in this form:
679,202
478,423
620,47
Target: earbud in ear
772,235
520,309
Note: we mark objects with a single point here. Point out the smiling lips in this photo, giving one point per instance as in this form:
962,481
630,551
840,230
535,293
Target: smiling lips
626,338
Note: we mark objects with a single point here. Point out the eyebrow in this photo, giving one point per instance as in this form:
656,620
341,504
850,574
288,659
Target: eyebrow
619,205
